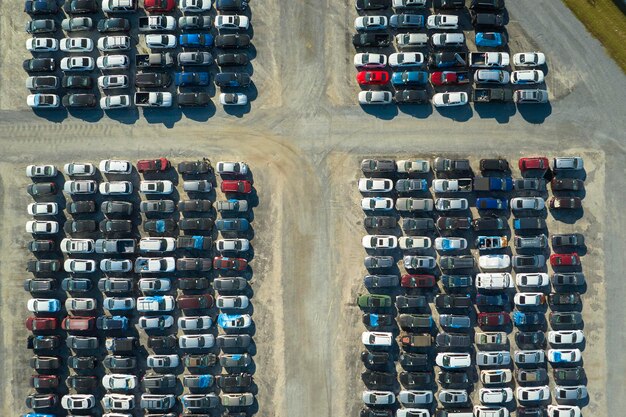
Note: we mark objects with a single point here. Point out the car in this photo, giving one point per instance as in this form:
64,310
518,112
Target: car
111,62
82,342
39,65
411,97
115,187
565,240
495,395
232,225
564,411
562,203
43,266
527,77
495,376
491,340
42,82
445,301
42,382
162,361
42,45
409,185
529,184
153,381
414,204
449,204
529,357
42,227
40,26
120,382
379,222
193,99
453,223
442,21
374,359
45,362
234,321
529,59
368,60
531,376
494,262
564,356
373,301
454,321
446,40
40,245
532,280
226,284
118,402
414,242
566,337
194,6
406,59
531,96
402,4
194,22
527,203
411,321
449,99
232,41
372,77
43,305
204,361
530,340
232,59
118,303
531,242
160,226
376,339
154,285
159,187
193,302
113,24
563,393
491,76
191,323
162,41
40,101
199,341
233,22
409,78
78,63
78,401
197,186
112,323
233,341
39,7
453,341
565,319
234,381
107,82
564,376
155,322
200,401
42,209
227,263
564,299
378,397
493,319
76,45
528,262
232,245
380,281
456,282
115,285
564,259
370,23
157,206
405,20
419,262
453,360
155,303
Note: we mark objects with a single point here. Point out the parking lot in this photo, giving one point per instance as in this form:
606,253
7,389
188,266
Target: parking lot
304,138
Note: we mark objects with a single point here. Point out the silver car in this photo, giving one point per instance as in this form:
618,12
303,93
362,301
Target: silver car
407,397
378,397
195,58
577,392
493,358
533,357
414,204
419,262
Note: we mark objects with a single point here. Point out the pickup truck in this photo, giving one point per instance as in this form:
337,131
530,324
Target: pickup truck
494,281
115,246
452,185
491,242
493,184
379,40
416,340
153,265
488,59
163,99
156,23
194,242
447,60
486,95
163,60
153,80
449,77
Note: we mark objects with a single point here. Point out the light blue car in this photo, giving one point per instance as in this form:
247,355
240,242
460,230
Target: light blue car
405,78
490,39
234,321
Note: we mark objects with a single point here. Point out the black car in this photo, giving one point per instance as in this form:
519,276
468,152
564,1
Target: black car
232,41
121,208
77,81
72,284
374,40
530,412
157,206
375,379
488,20
374,360
525,224
412,380
446,301
530,340
489,223
40,285
43,265
231,381
194,242
564,299
567,184
453,223
411,361
456,379
42,82
39,65
199,206
79,100
379,222
234,341
377,320
199,223
494,165
43,342
232,79
231,5
110,323
193,283
120,362
411,97
80,6
45,362
227,60
375,412
539,376
565,320
492,300
195,99
372,4
113,24
415,321
81,207
39,245
115,285
449,4
157,382
418,224
405,302
487,4
79,226
162,342
152,80
37,7
195,167
571,239
40,26
82,362
159,226
116,226
230,284
82,383
529,184
569,375
453,340
568,279
41,189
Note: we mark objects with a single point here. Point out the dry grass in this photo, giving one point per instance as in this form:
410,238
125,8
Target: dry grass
606,22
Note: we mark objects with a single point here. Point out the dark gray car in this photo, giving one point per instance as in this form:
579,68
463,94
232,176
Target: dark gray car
159,402
414,321
230,284
232,79
375,166
528,261
453,340
456,262
82,342
115,285
234,341
157,206
531,242
410,302
418,224
378,262
570,239
380,281
451,165
76,284
569,279
120,208
529,184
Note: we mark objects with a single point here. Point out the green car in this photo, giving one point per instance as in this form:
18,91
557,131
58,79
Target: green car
373,300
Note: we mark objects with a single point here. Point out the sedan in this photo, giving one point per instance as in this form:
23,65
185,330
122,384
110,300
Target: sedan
379,242
564,259
533,394
564,356
42,101
529,59
42,209
42,45
160,41
447,204
375,97
412,21
377,203
118,303
450,99
116,188
76,45
39,65
40,26
566,337
559,203
370,23
564,411
562,393
119,382
78,63
372,77
489,262
367,60
195,6
378,397
527,77
235,22
406,59
529,299
200,341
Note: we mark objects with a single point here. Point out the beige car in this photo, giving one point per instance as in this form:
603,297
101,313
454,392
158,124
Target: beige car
414,204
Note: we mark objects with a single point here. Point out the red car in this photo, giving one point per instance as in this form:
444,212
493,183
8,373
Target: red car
153,165
44,381
417,281
234,264
449,78
536,162
236,186
564,259
194,301
559,203
78,324
372,77
38,324
159,6
493,319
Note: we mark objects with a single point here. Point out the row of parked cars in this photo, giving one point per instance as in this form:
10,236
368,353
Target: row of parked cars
156,30
156,306
493,295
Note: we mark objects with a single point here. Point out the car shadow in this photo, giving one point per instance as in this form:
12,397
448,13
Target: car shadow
458,114
501,112
535,113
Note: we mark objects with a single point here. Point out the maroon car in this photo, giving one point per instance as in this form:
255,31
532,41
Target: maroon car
194,301
78,324
40,324
233,264
44,381
493,319
417,281
558,203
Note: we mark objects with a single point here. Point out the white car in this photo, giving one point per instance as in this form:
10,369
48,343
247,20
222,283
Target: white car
450,99
76,45
195,322
233,99
232,301
115,102
414,242
114,166
529,299
567,163
79,169
375,97
532,280
367,60
163,361
485,411
81,304
193,6
377,203
529,59
79,265
448,204
527,203
41,171
406,59
566,337
112,81
155,303
78,402
444,40
43,305
154,285
77,246
564,411
116,188
42,227
495,395
118,303
412,412
442,21
452,185
109,62
156,187
155,265
419,262
450,243
375,185
42,101
556,356
43,209
414,397
157,244
416,166
577,392
118,401
452,396
453,360
532,394
376,338
79,187
488,262
232,245
378,397
527,77
231,22
77,63
161,41
42,44
196,341
491,76
495,376
116,265
379,242
371,23
498,281
119,382
411,40
155,322
232,168
529,357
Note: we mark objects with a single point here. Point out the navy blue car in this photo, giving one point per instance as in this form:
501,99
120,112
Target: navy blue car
191,78
491,204
197,40
38,7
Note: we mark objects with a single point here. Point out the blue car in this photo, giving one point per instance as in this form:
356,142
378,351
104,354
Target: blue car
490,39
198,40
526,319
191,78
409,78
38,415
492,300
491,204
198,381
